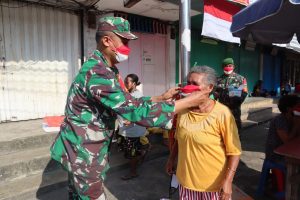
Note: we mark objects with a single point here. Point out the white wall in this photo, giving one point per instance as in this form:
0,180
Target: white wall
148,59
41,47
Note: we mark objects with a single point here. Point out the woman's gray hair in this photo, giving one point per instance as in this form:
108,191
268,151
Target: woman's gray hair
211,76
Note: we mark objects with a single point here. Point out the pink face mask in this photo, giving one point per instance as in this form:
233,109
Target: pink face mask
188,89
228,70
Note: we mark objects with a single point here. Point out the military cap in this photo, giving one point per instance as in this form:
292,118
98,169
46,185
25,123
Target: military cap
117,25
227,61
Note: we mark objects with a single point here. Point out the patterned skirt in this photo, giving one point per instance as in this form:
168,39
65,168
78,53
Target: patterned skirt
131,146
187,194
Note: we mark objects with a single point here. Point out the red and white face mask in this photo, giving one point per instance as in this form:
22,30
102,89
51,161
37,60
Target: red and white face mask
189,89
122,52
228,70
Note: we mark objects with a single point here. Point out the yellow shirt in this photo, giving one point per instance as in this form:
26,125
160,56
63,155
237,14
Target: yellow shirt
204,141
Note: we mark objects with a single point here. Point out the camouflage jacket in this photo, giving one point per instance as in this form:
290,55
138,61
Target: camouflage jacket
224,83
94,100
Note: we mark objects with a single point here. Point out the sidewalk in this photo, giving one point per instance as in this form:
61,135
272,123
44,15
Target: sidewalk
253,145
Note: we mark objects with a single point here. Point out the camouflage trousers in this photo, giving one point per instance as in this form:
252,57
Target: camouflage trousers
236,112
86,186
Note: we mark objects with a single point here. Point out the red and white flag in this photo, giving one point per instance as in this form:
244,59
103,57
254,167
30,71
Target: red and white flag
218,18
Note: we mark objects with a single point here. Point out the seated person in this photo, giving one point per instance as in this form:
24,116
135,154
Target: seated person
134,142
283,128
285,88
258,90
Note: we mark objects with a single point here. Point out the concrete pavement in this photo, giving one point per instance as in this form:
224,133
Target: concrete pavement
153,182
26,170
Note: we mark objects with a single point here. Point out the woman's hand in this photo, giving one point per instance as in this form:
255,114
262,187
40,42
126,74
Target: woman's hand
226,186
226,190
170,166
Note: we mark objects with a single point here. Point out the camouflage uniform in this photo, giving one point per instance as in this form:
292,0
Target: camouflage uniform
234,103
94,100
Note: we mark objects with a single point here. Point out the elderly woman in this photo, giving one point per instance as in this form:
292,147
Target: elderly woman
207,145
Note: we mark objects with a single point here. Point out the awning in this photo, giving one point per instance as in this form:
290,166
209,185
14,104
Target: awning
268,21
293,45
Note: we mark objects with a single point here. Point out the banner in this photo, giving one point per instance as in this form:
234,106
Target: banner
217,20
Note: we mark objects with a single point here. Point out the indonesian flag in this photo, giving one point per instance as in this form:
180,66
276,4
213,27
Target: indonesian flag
218,18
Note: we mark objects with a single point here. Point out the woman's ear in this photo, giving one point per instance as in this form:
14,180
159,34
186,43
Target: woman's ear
210,87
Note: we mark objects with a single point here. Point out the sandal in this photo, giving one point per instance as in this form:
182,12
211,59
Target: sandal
128,177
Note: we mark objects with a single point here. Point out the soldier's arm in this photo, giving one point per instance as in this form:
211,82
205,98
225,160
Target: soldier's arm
142,111
101,86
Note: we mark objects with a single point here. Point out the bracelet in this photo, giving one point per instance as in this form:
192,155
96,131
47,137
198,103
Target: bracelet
229,169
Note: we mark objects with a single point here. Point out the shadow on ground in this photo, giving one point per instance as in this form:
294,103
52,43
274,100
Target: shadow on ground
153,182
48,191
254,139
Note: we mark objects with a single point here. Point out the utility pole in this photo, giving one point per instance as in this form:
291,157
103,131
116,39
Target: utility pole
185,38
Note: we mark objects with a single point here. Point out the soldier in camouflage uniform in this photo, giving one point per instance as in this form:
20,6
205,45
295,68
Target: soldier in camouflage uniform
227,84
94,100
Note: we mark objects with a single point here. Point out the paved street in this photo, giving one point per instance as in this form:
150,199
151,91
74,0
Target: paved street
153,182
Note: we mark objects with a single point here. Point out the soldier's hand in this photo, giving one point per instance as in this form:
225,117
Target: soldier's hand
126,122
192,100
198,97
170,94
167,96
